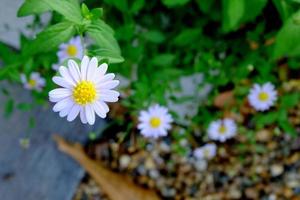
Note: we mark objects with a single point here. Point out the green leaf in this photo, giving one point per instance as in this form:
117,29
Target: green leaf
205,5
6,53
30,7
9,107
121,5
112,57
7,71
31,122
236,12
163,60
154,36
262,120
97,13
24,106
288,40
289,100
287,127
51,37
253,8
172,3
284,9
70,9
187,37
125,32
85,10
137,6
103,36
233,11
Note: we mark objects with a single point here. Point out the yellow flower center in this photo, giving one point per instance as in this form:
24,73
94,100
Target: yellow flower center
263,96
84,93
72,50
32,83
155,122
222,129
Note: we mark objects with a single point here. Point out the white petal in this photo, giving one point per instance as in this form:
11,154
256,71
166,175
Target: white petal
90,114
62,104
109,93
92,68
109,84
55,99
82,115
104,105
109,98
73,112
102,68
74,70
84,66
107,77
64,112
64,72
35,75
100,72
100,111
60,93
41,82
62,82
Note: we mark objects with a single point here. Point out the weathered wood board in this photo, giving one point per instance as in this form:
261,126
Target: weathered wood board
40,172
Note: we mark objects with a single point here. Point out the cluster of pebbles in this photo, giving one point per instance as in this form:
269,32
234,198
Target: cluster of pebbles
268,168
89,190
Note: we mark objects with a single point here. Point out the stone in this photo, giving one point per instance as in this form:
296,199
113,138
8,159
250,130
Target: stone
276,170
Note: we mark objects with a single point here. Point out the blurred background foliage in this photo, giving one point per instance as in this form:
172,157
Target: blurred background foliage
232,43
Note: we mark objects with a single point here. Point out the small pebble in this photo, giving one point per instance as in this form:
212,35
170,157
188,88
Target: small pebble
276,170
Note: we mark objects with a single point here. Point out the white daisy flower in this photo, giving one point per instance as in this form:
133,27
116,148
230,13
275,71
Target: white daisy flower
155,122
72,49
35,81
208,151
84,91
262,97
221,130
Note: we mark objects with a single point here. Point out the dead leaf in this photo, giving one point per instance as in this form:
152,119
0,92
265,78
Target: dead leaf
116,186
224,99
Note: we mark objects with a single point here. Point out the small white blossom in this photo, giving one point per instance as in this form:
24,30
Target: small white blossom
221,130
155,122
262,97
35,81
84,90
208,151
72,49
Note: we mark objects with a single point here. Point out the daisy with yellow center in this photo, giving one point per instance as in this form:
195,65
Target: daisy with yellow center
262,97
208,151
34,82
85,90
221,130
71,49
155,122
